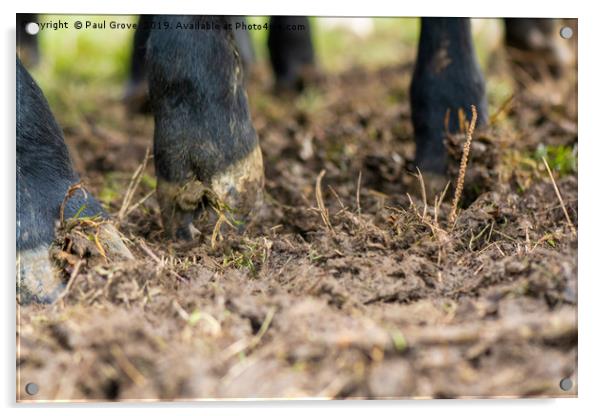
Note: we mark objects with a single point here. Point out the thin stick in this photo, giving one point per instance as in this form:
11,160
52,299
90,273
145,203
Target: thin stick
127,367
566,214
462,120
133,185
142,201
148,251
438,201
243,344
72,278
68,195
463,164
331,189
320,201
423,193
357,193
412,203
99,246
216,229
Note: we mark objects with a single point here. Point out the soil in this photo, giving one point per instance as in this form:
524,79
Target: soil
346,285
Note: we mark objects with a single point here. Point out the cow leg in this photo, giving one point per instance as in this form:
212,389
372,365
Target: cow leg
446,78
27,45
291,51
136,92
44,175
205,146
534,45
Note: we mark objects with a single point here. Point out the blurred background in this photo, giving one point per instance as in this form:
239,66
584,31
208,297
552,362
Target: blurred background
92,58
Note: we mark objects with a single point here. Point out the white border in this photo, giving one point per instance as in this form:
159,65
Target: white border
590,288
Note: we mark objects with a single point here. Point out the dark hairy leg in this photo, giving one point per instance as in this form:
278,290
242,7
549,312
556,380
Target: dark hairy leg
44,176
291,52
205,146
136,91
446,78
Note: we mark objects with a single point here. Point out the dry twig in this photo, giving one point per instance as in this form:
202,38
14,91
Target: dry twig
133,185
68,195
423,194
320,201
357,193
566,214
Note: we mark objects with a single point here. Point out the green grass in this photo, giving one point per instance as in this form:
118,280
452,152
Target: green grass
526,167
250,257
109,193
76,65
562,159
86,55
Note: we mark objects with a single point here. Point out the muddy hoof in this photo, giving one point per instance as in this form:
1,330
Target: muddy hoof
234,195
40,279
113,244
207,156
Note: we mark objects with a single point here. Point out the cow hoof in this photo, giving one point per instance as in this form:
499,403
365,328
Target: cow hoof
40,279
113,245
235,195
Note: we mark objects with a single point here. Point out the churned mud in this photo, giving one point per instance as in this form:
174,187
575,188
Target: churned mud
348,285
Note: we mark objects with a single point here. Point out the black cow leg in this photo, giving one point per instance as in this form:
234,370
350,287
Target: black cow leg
136,92
44,175
534,45
446,78
205,146
291,51
27,45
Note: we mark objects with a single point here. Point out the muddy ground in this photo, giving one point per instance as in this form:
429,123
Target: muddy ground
365,294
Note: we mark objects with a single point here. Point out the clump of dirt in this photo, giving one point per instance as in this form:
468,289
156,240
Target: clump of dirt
346,286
